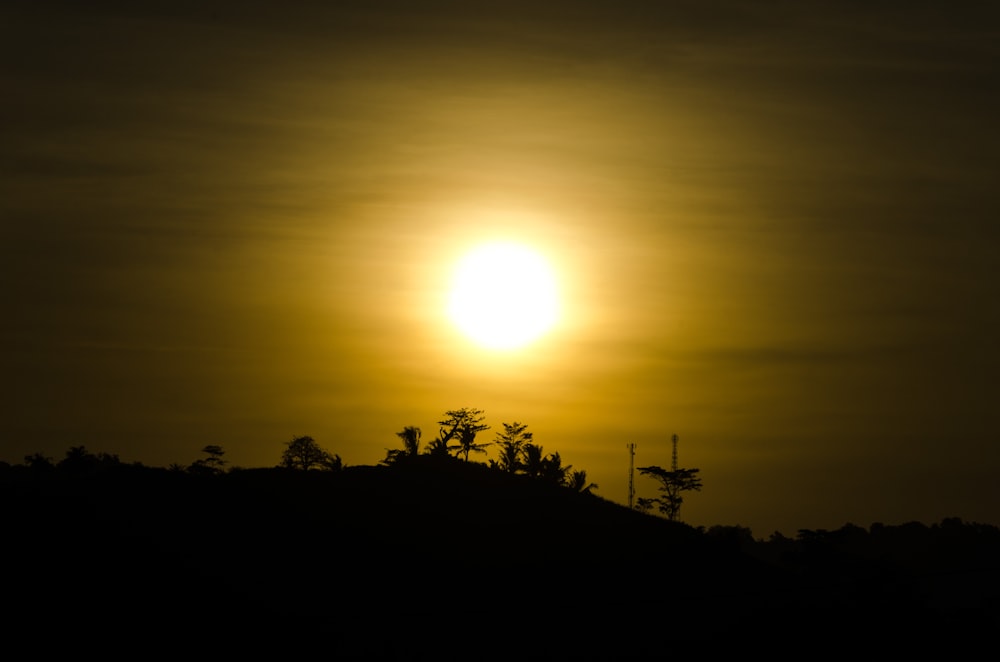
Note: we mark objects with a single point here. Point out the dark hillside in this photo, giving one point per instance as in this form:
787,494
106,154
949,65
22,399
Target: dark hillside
421,560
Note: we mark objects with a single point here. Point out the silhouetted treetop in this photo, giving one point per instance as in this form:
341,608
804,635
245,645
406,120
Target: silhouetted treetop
303,453
38,462
462,426
672,483
213,464
578,481
548,468
410,436
511,442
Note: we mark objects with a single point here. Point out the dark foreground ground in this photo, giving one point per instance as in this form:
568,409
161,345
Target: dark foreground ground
455,561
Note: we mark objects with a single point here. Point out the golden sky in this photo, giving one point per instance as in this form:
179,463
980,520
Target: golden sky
775,228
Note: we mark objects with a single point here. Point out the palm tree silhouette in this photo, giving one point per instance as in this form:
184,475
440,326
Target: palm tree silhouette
411,439
411,445
578,482
545,467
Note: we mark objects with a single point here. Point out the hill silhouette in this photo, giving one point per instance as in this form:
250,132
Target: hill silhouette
436,558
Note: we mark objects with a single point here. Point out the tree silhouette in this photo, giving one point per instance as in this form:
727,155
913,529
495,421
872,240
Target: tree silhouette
544,467
38,462
644,504
463,425
78,460
411,439
411,445
439,445
578,481
533,457
213,464
303,453
511,443
672,483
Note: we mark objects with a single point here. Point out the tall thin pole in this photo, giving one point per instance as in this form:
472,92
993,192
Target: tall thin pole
673,461
631,475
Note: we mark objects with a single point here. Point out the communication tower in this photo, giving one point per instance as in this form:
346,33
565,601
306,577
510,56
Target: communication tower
631,475
673,459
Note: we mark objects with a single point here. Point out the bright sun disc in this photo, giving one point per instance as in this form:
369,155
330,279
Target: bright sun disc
503,296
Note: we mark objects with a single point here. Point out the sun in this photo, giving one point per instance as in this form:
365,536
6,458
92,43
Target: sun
503,296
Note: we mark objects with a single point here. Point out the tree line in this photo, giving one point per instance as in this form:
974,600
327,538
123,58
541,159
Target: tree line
459,437
517,453
301,453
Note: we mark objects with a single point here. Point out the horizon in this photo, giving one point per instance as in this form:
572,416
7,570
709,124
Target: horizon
771,231
222,465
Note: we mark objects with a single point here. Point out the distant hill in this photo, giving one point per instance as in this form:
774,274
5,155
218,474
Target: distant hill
447,559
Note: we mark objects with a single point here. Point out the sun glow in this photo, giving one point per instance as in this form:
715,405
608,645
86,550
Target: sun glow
503,296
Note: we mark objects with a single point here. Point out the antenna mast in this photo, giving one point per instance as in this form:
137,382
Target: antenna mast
631,475
673,460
